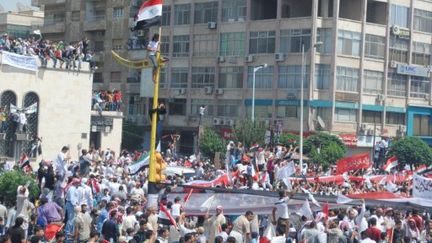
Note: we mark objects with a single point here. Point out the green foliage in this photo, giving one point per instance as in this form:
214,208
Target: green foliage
412,151
133,136
9,182
289,139
249,132
324,149
211,142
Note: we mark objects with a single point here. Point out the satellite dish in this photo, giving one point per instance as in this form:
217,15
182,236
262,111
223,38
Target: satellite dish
321,122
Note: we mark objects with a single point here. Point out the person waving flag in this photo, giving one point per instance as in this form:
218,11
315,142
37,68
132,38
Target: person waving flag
149,14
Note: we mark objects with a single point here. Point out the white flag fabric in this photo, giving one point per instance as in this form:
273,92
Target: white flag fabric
311,197
306,210
286,171
31,109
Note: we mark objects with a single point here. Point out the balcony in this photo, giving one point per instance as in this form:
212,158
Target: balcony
38,3
95,22
53,26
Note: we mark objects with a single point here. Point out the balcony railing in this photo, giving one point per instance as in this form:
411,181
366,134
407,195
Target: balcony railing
136,44
94,18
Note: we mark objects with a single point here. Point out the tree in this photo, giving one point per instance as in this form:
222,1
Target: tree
249,132
411,151
9,182
211,142
289,139
133,136
324,149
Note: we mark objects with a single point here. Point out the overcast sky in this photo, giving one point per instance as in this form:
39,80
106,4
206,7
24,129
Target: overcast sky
10,5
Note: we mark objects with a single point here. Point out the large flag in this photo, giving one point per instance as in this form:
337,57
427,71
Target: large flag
149,14
142,162
391,163
355,162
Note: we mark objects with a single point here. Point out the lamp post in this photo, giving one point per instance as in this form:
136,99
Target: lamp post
253,89
303,70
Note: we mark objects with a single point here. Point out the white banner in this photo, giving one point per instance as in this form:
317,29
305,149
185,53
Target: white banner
422,187
20,61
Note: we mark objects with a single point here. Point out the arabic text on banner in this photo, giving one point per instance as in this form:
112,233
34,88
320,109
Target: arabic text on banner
422,187
19,61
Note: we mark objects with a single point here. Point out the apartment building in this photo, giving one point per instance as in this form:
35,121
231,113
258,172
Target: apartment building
367,68
20,24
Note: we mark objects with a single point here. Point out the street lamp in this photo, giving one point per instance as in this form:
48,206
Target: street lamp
303,70
253,89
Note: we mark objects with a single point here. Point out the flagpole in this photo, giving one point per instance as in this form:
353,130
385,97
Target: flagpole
153,191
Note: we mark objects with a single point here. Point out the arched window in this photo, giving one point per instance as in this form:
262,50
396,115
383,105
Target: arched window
32,120
6,145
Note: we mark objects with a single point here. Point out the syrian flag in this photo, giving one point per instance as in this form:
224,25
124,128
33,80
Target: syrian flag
149,14
24,160
390,164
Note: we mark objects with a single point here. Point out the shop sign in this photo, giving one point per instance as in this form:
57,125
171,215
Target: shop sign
405,69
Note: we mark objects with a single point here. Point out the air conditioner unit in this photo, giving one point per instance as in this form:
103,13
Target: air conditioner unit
140,33
402,128
370,132
393,64
380,97
230,122
279,57
249,58
222,122
240,19
232,60
221,59
182,91
216,121
231,20
363,127
212,25
208,90
219,91
395,30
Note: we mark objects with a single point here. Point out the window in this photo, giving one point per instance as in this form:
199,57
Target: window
231,78
117,44
262,42
205,45
75,16
164,45
163,78
232,44
423,20
97,78
345,115
399,15
180,46
292,40
322,76
196,103
263,78
117,12
347,79
373,82
420,87
136,105
203,77
115,77
399,49
422,125
324,35
261,111
179,77
99,46
421,54
371,116
182,14
397,84
395,118
205,12
375,46
287,111
166,15
290,77
348,43
233,10
177,107
228,108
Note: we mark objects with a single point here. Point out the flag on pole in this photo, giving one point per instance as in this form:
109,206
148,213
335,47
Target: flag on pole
149,14
390,164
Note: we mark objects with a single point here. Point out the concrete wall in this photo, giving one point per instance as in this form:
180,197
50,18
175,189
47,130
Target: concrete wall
64,109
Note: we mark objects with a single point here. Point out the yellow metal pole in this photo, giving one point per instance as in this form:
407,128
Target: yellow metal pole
154,117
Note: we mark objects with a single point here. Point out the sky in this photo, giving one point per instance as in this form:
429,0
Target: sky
10,5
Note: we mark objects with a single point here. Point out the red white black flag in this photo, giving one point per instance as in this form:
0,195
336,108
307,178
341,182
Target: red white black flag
149,14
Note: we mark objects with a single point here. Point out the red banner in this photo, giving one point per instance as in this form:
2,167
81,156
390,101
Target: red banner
355,162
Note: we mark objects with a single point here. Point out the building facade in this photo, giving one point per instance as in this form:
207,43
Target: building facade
366,70
20,24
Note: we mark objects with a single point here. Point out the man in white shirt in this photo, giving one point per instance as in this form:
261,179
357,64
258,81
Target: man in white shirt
61,163
280,214
176,208
130,221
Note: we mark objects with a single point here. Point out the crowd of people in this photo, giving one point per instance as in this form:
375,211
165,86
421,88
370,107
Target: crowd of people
95,199
66,55
103,100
